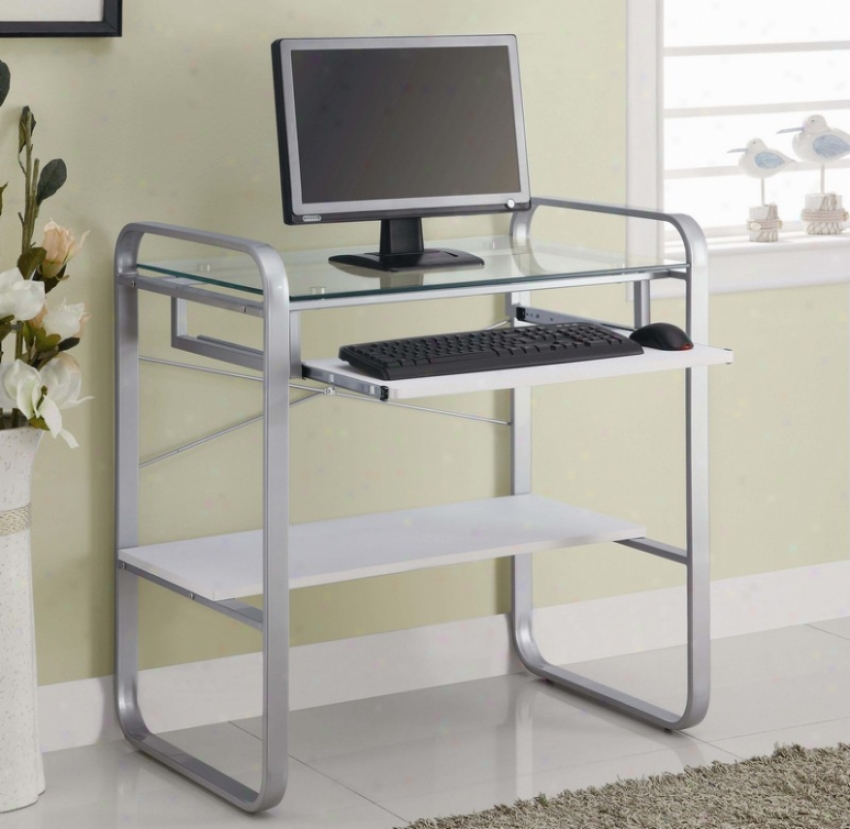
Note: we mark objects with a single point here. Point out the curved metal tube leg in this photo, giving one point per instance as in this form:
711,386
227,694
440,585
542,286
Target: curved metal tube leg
697,552
698,586
276,370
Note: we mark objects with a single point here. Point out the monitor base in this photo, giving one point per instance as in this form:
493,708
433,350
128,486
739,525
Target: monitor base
400,262
402,250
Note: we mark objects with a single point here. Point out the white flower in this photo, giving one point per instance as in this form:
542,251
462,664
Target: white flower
20,298
61,378
61,247
64,380
66,320
23,386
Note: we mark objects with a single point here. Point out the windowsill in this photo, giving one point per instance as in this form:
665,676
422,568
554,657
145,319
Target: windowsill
797,260
788,241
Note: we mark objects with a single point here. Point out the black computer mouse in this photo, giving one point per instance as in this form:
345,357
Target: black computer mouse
662,335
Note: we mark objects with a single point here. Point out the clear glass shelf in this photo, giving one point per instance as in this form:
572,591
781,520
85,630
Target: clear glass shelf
311,277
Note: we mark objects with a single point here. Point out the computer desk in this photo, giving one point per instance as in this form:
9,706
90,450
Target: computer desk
219,572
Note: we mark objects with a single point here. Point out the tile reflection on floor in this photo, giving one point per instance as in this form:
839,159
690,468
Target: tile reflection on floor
388,760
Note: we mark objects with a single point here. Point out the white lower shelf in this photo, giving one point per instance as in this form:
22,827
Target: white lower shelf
231,566
336,372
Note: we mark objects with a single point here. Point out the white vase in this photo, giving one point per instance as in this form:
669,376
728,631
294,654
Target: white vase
21,770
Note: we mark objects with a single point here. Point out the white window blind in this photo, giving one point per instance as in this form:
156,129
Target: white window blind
734,70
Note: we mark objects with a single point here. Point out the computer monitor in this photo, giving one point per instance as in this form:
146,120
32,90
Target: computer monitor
399,128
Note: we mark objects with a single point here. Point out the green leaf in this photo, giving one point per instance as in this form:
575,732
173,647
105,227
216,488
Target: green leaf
5,81
50,282
52,177
2,189
46,342
26,127
69,343
29,262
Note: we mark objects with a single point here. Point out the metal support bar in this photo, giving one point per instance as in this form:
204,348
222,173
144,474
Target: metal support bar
330,378
295,345
521,482
544,317
316,395
179,318
204,369
461,415
211,347
696,557
238,355
331,391
241,612
657,548
642,304
200,441
188,289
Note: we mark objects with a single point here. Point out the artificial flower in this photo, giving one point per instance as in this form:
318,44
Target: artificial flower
66,321
19,298
42,395
61,247
64,381
22,384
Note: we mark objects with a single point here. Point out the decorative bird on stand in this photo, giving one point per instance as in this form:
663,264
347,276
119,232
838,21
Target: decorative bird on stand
761,162
819,143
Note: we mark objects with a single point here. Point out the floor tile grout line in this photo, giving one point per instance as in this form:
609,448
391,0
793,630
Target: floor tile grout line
715,746
769,731
233,722
828,632
326,776
347,787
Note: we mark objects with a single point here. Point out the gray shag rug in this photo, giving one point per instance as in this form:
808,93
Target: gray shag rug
794,788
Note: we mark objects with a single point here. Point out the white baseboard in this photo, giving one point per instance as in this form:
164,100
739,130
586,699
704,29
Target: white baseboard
181,696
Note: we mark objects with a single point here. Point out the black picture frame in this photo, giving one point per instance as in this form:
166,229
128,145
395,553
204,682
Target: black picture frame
109,26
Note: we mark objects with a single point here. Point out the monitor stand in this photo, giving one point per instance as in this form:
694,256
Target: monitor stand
402,249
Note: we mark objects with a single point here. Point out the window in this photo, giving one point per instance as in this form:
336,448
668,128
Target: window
727,71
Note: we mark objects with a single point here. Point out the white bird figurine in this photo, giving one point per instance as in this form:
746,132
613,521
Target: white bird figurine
820,143
759,161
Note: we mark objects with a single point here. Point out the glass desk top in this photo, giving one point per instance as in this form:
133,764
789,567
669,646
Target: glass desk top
311,277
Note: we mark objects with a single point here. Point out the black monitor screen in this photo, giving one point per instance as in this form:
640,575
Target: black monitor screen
377,124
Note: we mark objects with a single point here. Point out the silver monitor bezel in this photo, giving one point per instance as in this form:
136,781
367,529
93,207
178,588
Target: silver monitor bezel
430,205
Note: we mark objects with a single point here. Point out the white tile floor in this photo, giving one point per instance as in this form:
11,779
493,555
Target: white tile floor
382,762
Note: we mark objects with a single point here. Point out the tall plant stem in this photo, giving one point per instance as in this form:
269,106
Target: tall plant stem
30,170
26,233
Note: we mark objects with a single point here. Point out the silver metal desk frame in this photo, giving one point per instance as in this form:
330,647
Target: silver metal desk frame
280,363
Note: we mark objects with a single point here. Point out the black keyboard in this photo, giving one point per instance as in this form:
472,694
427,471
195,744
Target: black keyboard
531,345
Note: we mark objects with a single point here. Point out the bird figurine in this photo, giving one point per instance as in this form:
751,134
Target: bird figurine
818,142
821,144
759,161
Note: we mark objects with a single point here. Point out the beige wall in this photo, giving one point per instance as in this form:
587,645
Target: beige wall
174,122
